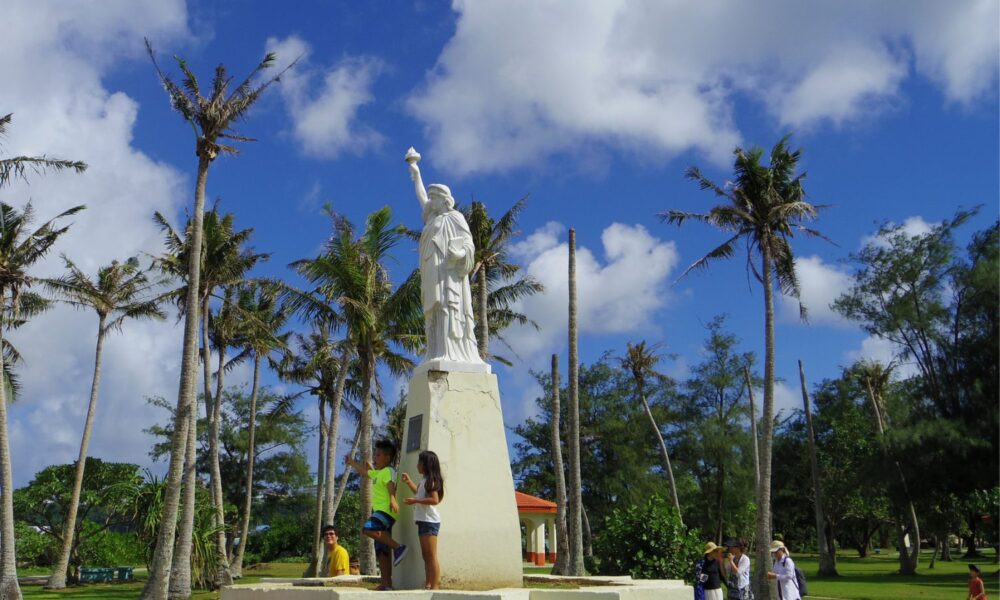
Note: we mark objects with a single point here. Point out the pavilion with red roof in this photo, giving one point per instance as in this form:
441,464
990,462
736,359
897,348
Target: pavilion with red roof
538,518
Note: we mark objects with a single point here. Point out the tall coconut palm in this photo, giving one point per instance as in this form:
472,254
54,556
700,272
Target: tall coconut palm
498,281
827,554
121,291
262,319
766,207
225,262
382,322
211,118
575,496
640,361
20,249
562,534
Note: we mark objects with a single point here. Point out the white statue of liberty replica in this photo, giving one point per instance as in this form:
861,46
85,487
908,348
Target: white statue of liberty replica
453,409
447,256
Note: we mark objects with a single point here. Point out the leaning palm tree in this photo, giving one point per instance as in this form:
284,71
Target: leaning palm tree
211,119
20,249
382,322
121,291
261,320
640,361
498,281
766,206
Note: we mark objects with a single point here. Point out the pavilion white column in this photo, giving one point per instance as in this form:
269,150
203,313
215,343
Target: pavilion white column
550,525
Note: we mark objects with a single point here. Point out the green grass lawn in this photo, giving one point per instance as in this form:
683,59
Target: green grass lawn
872,578
876,578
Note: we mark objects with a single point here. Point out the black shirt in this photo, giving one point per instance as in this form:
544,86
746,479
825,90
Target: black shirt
713,570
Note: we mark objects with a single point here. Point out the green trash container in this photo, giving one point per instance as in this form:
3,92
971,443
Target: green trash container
124,574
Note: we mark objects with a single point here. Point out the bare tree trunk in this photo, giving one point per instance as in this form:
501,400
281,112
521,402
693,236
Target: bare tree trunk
222,575
934,541
483,305
562,556
588,538
159,569
664,455
753,427
331,437
763,529
58,578
313,569
344,477
180,570
827,561
251,459
575,525
366,549
9,588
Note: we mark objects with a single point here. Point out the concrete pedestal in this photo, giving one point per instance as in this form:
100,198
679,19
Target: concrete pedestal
458,416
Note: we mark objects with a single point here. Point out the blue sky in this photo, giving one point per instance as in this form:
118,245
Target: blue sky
594,109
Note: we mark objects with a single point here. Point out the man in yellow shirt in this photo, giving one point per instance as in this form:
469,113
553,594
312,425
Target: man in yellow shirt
337,558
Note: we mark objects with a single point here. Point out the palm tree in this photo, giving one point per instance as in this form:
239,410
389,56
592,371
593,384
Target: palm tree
575,500
827,554
211,119
120,292
640,361
380,321
766,206
20,249
17,167
562,534
225,262
261,320
497,281
876,377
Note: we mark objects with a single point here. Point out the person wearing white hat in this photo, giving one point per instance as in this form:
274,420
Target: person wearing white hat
783,570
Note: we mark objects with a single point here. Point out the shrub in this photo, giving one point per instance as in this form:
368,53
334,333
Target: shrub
34,548
110,549
646,542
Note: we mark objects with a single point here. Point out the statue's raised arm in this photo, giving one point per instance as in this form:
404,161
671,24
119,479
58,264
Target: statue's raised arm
412,158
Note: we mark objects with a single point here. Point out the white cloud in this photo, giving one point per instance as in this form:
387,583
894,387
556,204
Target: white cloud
616,295
522,80
912,227
56,59
820,285
324,102
883,351
787,398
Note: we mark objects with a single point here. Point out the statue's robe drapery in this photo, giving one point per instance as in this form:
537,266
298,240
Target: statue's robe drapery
447,256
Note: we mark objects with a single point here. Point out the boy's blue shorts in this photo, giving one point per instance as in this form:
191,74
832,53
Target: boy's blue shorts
380,521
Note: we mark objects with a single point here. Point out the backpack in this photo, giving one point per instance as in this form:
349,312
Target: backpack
800,582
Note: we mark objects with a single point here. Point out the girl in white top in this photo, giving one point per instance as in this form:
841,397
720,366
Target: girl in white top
738,571
429,494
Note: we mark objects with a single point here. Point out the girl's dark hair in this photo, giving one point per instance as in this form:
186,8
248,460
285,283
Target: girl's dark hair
432,473
975,568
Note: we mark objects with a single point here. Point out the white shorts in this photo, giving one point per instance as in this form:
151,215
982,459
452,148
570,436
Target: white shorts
714,594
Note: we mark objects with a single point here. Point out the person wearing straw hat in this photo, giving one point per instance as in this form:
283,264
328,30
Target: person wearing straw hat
783,570
737,567
708,574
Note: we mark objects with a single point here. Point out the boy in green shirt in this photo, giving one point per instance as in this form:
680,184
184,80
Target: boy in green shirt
385,509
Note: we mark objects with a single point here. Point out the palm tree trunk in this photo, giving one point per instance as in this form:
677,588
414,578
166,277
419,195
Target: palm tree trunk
180,571
562,556
344,478
366,549
159,571
331,436
763,588
222,574
251,458
9,588
827,562
58,578
908,560
664,454
575,525
753,427
481,306
317,554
